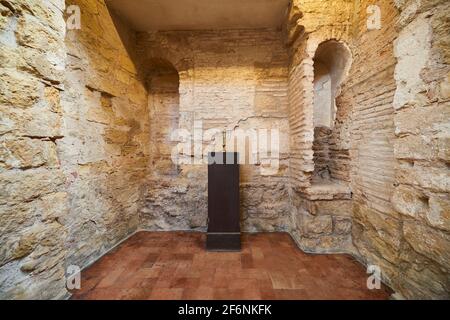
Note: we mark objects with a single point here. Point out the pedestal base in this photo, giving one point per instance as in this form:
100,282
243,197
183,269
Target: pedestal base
226,241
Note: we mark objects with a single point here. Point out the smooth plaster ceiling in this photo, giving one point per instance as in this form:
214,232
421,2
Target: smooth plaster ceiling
148,15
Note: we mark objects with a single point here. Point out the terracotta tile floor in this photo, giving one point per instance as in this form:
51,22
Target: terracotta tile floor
175,265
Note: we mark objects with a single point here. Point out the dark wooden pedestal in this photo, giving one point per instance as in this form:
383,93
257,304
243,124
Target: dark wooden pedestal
224,231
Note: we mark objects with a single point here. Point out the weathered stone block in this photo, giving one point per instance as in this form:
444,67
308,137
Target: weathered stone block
409,201
431,243
415,270
415,147
27,153
422,120
372,244
342,225
19,89
432,176
16,217
333,207
326,244
53,207
32,33
33,122
318,225
412,48
384,229
439,212
24,186
443,147
47,65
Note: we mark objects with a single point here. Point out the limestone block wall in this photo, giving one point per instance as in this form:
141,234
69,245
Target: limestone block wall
230,80
421,148
105,134
73,142
387,230
33,199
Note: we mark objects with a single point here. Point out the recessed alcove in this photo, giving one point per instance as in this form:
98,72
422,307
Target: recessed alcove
163,82
330,178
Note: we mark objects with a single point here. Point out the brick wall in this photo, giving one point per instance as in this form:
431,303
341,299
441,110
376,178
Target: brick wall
369,94
228,80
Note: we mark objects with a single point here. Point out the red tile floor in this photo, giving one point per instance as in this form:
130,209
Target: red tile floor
175,265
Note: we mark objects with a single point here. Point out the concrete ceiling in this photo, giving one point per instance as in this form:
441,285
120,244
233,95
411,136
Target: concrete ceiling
147,15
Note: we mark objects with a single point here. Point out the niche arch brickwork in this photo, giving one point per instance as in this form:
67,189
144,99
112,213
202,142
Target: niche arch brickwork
332,61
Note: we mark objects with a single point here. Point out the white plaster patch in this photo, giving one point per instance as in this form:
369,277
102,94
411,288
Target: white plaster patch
8,36
412,49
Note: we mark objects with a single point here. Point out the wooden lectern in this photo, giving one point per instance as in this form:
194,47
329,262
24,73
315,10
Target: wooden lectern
224,232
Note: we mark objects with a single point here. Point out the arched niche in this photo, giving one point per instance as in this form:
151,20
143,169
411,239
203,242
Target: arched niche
332,62
163,81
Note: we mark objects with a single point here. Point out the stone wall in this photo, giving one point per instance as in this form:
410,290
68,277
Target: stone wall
105,146
74,142
397,132
421,148
33,199
227,80
387,147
